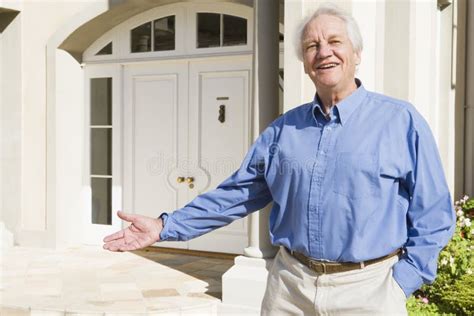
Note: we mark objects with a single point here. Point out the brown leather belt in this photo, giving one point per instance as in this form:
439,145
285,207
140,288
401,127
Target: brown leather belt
324,267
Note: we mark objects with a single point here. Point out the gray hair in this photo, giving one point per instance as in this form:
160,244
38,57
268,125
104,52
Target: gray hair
330,9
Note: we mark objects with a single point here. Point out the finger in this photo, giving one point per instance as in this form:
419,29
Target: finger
107,247
114,236
114,245
110,248
126,216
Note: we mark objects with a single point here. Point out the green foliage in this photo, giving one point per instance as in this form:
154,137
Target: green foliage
452,293
417,307
460,297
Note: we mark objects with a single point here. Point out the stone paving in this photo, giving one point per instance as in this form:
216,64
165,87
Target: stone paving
91,281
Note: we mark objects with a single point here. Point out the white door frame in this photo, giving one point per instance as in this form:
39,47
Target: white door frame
96,232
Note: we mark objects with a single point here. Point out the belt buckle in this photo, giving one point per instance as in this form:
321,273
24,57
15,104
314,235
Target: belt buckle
315,266
324,268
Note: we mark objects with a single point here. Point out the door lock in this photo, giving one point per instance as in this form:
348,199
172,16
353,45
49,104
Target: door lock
188,180
221,113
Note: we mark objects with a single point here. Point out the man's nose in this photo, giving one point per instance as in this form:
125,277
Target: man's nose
324,51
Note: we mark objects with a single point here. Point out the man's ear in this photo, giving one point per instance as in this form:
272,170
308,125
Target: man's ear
357,58
306,66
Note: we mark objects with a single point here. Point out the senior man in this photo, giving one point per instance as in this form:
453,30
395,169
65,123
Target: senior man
361,208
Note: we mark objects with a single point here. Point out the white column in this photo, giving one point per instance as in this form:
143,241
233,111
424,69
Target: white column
10,123
301,87
11,131
469,114
245,282
265,107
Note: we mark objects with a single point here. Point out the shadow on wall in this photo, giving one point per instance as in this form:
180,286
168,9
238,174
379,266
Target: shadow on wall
6,17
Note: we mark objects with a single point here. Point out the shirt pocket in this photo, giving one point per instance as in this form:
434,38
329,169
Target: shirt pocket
355,175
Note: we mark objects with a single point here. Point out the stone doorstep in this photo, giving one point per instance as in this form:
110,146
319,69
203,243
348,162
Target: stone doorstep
210,308
21,307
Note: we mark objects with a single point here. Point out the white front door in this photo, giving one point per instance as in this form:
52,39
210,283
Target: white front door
189,120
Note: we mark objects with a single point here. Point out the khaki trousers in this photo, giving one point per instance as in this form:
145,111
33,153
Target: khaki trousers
294,289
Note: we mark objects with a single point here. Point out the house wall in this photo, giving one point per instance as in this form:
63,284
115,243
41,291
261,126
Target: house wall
24,127
405,56
9,150
1,134
70,158
11,124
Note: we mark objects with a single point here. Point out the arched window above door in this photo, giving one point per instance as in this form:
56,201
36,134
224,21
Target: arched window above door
218,30
157,35
177,30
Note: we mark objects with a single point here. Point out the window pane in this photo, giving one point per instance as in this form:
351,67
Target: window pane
141,38
101,201
106,50
101,101
235,30
209,30
164,31
101,151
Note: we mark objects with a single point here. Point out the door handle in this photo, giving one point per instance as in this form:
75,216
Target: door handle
221,113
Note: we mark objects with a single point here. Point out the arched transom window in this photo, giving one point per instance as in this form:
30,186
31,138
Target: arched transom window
217,30
178,29
157,35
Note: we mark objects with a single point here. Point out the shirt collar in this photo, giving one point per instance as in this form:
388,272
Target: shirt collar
348,105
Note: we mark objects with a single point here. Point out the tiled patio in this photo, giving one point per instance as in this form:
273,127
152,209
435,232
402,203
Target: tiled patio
91,281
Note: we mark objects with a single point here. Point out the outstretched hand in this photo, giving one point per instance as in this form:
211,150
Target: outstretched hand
143,232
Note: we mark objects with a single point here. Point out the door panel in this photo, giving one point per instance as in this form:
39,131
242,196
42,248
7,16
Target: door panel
155,139
153,131
219,138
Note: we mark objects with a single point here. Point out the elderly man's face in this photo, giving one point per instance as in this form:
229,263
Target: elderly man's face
329,58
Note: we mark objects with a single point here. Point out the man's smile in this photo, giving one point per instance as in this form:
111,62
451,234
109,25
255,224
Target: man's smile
327,66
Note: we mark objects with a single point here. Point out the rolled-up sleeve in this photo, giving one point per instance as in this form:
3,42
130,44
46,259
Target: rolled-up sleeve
430,218
243,192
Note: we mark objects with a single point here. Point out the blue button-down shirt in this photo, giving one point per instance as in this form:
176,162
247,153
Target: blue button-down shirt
351,186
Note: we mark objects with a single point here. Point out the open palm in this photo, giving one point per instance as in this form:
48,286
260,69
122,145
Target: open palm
143,232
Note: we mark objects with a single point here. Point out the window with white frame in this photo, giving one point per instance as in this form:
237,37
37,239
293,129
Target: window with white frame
106,50
101,149
181,29
157,35
218,30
